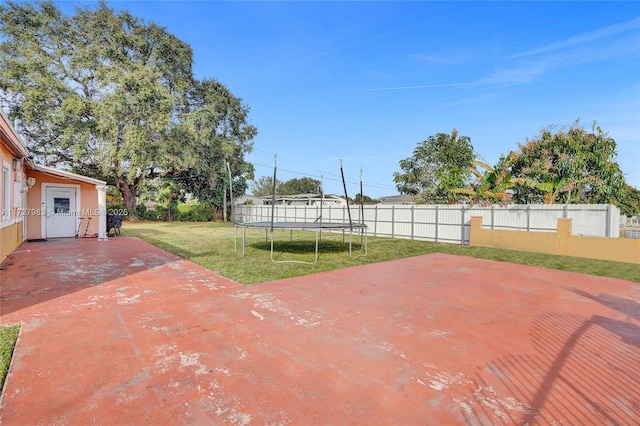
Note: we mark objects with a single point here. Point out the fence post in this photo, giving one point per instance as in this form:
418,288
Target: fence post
565,211
607,232
393,220
375,222
437,225
493,212
462,224
528,210
412,220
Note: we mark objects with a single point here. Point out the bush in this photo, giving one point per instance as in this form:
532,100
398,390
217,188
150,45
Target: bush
188,213
143,213
198,213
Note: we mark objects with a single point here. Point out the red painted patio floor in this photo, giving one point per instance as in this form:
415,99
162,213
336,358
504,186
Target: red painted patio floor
124,333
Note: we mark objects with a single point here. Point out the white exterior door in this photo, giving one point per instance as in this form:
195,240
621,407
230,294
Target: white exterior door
62,214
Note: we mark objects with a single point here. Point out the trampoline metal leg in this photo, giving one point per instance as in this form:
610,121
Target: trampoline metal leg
243,239
315,260
363,243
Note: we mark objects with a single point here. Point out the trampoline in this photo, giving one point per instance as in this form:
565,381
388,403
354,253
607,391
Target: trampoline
316,226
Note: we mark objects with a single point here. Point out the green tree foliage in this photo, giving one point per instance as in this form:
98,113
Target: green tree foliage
492,185
570,166
264,186
300,186
438,165
216,123
629,203
364,199
110,96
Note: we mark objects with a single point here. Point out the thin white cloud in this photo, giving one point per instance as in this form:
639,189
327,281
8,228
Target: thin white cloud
581,39
433,58
431,86
332,51
474,100
457,57
521,74
595,46
613,41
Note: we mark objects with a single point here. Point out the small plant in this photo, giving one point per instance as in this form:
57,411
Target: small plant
8,338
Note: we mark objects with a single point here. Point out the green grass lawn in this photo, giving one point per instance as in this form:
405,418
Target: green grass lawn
212,246
8,338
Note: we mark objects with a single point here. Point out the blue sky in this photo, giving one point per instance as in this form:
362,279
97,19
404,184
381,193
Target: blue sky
366,81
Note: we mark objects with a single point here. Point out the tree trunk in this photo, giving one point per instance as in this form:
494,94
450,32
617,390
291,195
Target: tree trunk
128,192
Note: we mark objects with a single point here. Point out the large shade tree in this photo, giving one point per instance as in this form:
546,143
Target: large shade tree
216,121
571,165
105,94
438,164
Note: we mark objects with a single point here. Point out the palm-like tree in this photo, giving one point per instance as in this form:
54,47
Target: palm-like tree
552,189
492,184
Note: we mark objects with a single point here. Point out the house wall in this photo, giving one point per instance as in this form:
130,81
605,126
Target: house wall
562,242
11,237
88,203
11,202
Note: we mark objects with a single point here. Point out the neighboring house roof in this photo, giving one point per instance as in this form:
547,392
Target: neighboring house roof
66,175
297,198
246,199
302,197
397,199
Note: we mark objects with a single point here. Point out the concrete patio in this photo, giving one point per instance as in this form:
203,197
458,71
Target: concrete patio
123,333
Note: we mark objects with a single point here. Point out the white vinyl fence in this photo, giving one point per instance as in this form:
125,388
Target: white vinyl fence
444,223
630,226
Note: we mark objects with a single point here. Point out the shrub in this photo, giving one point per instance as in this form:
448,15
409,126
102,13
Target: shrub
198,213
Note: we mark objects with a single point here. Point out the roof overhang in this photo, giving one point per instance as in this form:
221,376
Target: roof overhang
66,175
10,137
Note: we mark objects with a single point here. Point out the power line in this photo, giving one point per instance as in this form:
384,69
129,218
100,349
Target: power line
336,179
323,174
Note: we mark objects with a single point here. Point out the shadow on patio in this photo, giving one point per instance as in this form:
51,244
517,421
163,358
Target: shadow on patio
45,270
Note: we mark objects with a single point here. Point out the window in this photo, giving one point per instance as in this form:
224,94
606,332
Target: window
61,205
6,191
